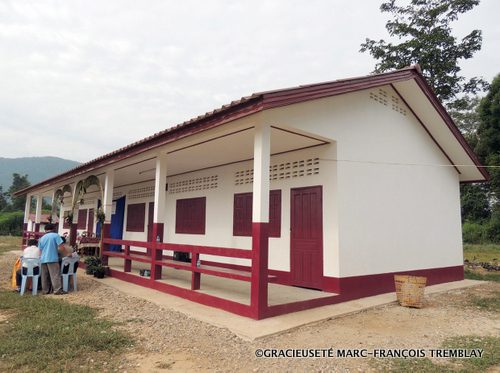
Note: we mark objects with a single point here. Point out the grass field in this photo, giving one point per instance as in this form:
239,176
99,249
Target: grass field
490,358
42,334
50,335
489,253
9,243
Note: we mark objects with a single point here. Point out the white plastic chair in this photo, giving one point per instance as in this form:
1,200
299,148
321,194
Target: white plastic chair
28,266
71,264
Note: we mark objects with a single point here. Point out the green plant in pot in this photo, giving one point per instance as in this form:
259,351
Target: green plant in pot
100,271
92,263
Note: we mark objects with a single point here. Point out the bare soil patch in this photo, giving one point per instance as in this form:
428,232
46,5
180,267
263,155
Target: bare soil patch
168,341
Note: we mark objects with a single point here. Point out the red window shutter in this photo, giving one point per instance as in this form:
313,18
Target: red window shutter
275,213
136,217
242,214
90,224
82,219
190,215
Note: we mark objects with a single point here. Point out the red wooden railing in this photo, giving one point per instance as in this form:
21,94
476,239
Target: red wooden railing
158,260
28,235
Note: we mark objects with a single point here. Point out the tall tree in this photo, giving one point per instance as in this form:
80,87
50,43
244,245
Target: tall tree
3,201
475,198
488,134
425,37
18,182
467,119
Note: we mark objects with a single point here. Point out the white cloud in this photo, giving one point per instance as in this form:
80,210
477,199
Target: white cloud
81,78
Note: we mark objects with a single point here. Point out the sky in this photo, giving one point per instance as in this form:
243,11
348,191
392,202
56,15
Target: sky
79,79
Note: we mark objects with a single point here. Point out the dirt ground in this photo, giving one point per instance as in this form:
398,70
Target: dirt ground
168,341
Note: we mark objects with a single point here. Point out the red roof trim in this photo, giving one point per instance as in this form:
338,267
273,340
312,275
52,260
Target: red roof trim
239,110
425,128
300,94
256,103
419,79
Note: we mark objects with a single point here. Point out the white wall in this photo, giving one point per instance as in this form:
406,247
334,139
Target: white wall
131,199
219,209
392,216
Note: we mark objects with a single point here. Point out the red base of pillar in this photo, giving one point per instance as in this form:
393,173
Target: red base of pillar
156,254
37,227
260,250
72,234
105,233
195,276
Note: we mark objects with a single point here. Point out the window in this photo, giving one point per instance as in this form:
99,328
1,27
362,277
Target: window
242,214
82,219
135,217
190,215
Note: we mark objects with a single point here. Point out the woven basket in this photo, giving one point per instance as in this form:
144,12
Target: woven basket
410,290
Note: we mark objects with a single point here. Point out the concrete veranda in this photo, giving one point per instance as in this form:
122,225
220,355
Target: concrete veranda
250,329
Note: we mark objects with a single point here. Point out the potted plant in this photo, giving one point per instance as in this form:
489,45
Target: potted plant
100,216
92,263
99,271
69,218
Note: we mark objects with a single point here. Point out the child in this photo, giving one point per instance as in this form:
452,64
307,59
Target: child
31,252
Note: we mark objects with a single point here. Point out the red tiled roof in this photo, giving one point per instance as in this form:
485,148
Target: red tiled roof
257,102
44,218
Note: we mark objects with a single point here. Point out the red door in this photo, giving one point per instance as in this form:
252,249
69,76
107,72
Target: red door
306,237
90,224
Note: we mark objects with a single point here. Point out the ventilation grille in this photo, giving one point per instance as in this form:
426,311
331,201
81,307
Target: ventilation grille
243,177
398,106
191,185
382,97
281,171
117,195
144,192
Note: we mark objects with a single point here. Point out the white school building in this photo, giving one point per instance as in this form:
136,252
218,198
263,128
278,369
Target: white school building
326,190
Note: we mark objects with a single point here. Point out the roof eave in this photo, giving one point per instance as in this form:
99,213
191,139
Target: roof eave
431,96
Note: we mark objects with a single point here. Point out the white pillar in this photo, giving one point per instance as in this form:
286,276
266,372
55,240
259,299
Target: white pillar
53,213
27,209
107,204
38,214
160,192
261,161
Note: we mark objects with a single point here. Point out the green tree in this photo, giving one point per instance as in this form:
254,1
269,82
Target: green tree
474,202
488,135
474,198
3,200
467,119
425,37
489,129
18,182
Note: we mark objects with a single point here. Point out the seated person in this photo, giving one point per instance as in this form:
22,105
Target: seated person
31,252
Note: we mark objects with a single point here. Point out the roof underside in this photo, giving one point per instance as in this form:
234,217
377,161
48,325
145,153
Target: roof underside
409,83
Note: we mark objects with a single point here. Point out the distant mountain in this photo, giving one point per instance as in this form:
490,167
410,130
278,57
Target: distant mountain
37,168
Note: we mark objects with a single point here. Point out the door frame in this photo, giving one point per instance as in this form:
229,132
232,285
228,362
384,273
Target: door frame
321,243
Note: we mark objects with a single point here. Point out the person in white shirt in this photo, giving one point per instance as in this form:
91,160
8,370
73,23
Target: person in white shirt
31,252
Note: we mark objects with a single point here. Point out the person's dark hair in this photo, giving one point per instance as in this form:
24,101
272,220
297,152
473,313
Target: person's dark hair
49,227
32,242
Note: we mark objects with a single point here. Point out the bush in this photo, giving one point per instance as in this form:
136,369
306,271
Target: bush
493,228
11,223
473,232
92,263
